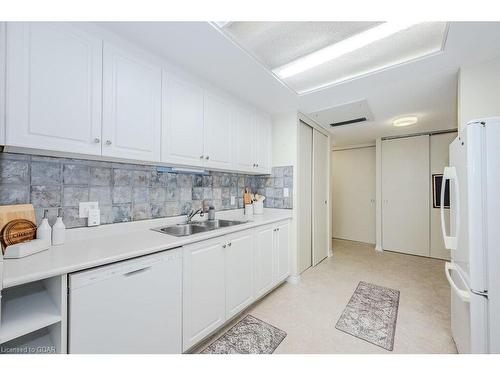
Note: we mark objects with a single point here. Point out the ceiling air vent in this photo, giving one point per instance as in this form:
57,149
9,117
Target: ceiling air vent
344,114
347,122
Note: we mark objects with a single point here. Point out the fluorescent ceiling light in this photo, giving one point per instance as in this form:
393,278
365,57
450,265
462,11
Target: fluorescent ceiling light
341,48
405,121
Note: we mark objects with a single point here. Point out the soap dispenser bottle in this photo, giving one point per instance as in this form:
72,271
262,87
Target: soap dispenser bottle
44,231
58,230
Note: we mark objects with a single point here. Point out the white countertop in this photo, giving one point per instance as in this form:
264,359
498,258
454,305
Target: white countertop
91,247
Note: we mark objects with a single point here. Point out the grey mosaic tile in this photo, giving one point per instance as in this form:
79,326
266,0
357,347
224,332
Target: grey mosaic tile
71,219
76,174
73,195
14,194
14,172
122,194
46,196
140,195
157,195
141,211
121,213
122,177
100,176
158,210
45,173
106,214
101,194
141,178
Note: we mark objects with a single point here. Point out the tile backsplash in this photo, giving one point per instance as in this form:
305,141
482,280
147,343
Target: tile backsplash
128,192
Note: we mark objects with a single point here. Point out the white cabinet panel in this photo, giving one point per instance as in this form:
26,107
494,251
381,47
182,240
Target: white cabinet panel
132,105
405,195
54,78
262,143
203,290
244,141
182,136
239,272
264,263
282,244
218,132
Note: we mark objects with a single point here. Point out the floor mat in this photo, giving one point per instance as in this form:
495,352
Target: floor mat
249,336
371,315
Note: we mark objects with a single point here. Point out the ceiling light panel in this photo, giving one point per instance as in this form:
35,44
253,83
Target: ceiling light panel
278,43
415,42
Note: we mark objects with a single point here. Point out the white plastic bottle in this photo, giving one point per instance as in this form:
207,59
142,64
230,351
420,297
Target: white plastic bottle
44,231
58,230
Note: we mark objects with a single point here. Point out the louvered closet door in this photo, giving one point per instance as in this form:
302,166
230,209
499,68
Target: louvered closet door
405,195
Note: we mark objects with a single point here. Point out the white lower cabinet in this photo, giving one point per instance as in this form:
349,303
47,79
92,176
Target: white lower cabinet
223,276
264,264
239,272
203,290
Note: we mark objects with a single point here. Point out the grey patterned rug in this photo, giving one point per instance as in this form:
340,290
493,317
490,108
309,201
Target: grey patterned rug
249,336
371,315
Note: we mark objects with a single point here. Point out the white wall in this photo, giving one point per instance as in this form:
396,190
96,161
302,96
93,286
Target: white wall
353,194
478,92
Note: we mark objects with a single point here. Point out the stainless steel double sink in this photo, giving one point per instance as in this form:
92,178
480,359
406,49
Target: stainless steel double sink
180,230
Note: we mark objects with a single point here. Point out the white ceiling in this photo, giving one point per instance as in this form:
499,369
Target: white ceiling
426,87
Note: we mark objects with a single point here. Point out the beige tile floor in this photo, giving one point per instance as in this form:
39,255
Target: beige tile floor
308,311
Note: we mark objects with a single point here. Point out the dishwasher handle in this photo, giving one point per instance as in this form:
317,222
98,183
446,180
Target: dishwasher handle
135,272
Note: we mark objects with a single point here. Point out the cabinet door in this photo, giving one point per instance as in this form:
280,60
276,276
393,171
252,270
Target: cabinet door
54,83
405,195
244,141
182,138
217,132
203,290
239,272
264,260
282,245
263,136
132,105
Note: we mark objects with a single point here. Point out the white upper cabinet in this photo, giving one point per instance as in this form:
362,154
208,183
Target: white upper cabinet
262,143
218,132
182,136
131,105
53,91
244,140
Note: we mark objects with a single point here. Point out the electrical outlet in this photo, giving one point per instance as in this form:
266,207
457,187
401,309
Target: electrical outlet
84,207
233,200
286,193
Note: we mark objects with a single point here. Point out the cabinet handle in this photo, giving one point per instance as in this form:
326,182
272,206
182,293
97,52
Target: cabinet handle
97,140
223,246
108,142
207,157
229,244
201,157
257,165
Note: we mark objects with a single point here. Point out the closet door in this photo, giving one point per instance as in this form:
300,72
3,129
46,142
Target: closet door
405,195
320,197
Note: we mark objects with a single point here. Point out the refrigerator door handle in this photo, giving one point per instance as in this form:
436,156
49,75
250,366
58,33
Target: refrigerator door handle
463,294
450,173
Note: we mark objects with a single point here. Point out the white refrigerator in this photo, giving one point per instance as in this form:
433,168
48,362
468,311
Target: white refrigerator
474,236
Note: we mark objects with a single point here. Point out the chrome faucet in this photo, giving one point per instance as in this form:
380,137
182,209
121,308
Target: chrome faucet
193,214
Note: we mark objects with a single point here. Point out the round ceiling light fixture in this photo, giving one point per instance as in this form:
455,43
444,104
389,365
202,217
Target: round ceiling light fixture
405,121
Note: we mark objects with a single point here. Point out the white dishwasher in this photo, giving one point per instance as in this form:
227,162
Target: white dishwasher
134,306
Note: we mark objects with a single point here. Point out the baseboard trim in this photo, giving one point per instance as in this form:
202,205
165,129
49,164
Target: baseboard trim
378,248
293,279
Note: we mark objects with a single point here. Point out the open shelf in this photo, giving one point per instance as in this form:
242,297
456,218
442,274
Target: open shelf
38,342
26,309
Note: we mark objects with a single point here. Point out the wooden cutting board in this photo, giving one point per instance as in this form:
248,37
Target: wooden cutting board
17,211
